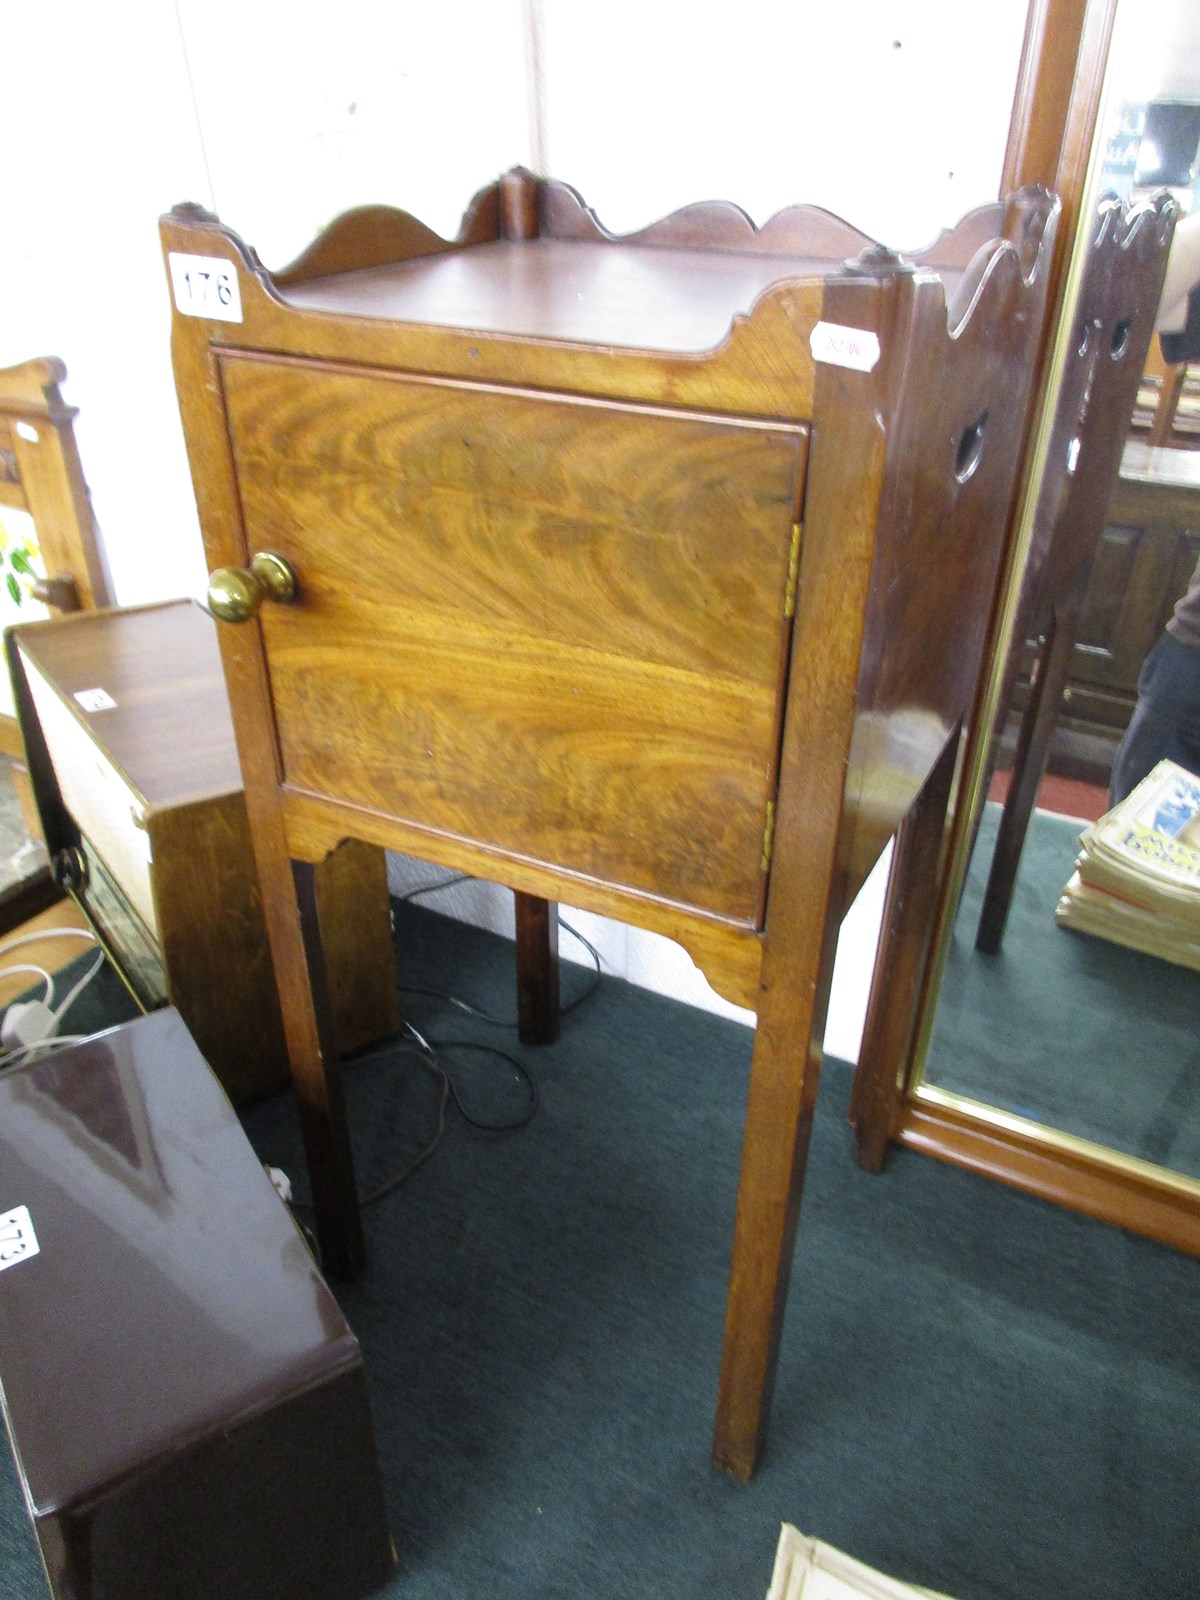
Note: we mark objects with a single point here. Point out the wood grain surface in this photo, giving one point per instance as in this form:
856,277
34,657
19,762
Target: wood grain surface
167,731
527,619
636,297
152,782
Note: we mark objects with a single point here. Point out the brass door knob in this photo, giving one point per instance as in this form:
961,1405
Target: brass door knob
236,593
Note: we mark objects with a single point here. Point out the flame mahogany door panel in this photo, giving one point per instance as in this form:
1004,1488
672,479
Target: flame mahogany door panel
553,626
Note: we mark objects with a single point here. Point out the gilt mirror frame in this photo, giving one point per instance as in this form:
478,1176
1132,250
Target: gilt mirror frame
1054,138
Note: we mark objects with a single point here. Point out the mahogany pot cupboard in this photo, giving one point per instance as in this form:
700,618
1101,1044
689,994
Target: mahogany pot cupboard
649,573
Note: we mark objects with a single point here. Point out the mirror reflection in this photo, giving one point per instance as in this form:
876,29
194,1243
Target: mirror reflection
1072,982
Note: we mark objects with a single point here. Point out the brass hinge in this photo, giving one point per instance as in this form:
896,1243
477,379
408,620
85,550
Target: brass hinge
768,836
793,572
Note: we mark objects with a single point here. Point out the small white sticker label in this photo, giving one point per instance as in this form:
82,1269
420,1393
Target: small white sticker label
18,1242
95,700
141,839
205,286
27,431
857,348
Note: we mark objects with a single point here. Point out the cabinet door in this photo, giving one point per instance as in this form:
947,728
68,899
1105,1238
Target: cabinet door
550,625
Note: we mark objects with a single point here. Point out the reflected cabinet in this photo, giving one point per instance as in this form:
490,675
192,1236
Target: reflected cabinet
649,573
1066,587
1146,555
1051,1059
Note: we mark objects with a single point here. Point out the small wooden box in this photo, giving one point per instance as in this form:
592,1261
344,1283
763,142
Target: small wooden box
186,1404
131,751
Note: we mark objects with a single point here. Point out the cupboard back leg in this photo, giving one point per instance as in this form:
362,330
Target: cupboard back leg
915,882
537,969
1024,629
1029,765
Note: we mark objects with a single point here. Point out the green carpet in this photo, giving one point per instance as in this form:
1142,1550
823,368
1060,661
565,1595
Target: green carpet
1069,1030
977,1391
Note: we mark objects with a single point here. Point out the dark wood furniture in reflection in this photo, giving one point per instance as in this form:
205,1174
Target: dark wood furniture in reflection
135,772
1145,558
1158,411
1168,405
651,573
1120,286
1054,125
1114,322
41,475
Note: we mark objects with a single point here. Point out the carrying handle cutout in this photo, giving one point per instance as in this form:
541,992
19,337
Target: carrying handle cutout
970,449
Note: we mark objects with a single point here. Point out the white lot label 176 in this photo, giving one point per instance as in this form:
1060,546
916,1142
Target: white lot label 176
857,348
205,286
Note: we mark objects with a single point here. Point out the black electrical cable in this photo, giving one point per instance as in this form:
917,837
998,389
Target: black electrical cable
431,1063
519,1068
424,1052
432,888
468,1006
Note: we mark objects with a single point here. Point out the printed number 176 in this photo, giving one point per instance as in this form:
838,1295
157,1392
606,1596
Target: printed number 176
200,282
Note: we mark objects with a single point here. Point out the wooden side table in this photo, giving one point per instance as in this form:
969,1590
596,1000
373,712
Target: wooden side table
649,573
126,720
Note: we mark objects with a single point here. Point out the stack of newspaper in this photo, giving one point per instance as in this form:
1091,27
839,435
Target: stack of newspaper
1137,877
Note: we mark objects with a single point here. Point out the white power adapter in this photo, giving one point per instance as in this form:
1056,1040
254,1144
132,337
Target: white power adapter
27,1022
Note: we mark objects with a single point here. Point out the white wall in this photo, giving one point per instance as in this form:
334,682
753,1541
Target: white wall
361,102
99,139
893,112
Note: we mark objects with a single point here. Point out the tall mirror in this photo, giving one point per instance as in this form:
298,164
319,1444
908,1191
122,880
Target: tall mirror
1062,1052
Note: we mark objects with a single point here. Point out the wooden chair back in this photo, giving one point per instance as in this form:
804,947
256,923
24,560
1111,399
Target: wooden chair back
41,474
